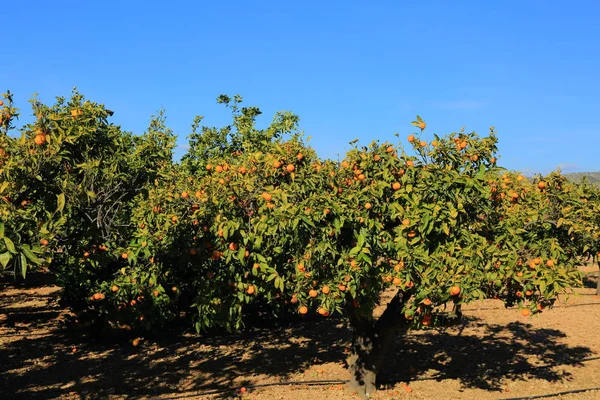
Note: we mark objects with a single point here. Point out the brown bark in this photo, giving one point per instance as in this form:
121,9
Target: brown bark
370,342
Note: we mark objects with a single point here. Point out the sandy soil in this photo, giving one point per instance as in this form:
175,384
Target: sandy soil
495,354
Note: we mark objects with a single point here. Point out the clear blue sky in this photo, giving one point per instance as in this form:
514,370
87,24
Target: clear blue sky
350,69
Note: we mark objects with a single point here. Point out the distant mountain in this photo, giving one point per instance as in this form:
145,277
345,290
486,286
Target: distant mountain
592,177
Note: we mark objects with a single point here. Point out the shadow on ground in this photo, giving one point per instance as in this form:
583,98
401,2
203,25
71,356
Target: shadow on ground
45,366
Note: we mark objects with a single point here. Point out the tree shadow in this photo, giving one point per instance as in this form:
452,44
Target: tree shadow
590,281
516,351
45,366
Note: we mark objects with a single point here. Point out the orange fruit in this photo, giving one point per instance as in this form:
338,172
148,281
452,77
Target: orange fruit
341,287
219,169
423,144
412,234
276,164
300,156
233,246
397,281
454,290
396,185
525,312
312,293
410,163
325,289
174,219
243,390
39,139
528,293
550,263
174,289
541,185
1,103
193,251
411,138
136,342
294,299
114,288
185,195
303,310
537,261
250,290
406,222
427,302
368,206
323,311
86,254
290,168
209,167
44,242
390,149
267,196
422,125
155,293
426,321
463,145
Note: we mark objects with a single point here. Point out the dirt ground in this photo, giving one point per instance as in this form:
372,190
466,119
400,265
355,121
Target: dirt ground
495,354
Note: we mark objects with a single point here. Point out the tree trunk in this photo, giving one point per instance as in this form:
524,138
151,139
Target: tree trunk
370,342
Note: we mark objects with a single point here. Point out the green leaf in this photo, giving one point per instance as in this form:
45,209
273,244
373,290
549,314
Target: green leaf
23,266
10,245
32,257
1,230
5,259
60,202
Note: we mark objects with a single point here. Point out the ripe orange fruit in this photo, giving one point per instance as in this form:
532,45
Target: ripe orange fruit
427,302
410,163
233,246
243,390
193,251
322,311
250,290
528,293
86,254
454,290
341,287
463,145
411,138
267,196
423,144
368,206
174,289
397,281
550,263
209,167
396,185
537,261
313,293
39,139
541,185
325,289
390,149
185,195
422,125
155,293
406,222
412,234
1,103
114,288
303,310
290,168
300,156
540,306
294,299
44,242
174,219
525,312
136,342
426,321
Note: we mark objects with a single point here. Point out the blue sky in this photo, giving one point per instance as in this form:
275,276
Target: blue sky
350,69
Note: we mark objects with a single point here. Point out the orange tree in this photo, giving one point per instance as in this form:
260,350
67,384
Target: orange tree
67,182
252,222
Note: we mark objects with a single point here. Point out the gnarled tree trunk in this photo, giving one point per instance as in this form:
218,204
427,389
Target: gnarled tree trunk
371,340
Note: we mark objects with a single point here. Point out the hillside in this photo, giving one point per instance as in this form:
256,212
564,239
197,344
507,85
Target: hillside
592,177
